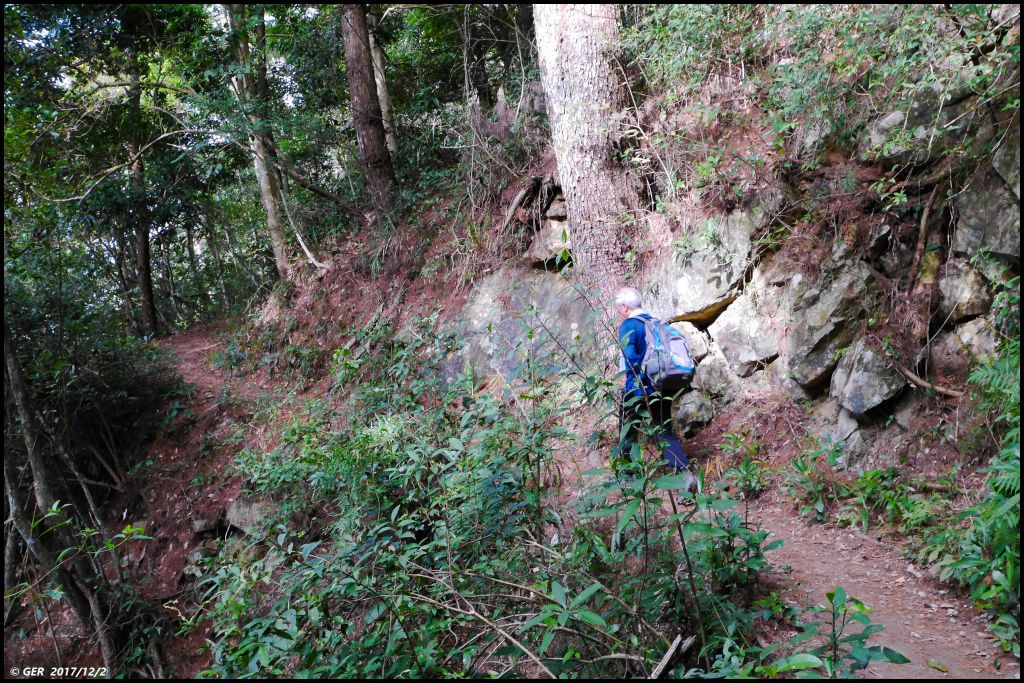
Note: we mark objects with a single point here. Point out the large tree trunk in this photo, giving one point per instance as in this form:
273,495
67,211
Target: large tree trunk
377,52
251,86
584,93
374,157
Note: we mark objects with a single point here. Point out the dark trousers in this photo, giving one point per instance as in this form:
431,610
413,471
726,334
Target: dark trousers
648,412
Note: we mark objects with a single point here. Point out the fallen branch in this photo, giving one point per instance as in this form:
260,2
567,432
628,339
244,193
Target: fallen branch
915,266
671,653
472,612
917,381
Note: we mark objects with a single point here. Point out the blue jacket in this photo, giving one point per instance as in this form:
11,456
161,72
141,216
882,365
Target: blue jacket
633,342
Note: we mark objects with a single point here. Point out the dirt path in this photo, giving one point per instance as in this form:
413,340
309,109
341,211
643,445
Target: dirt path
923,619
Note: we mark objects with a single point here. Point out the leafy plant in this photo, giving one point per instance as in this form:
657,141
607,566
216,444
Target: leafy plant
812,482
844,653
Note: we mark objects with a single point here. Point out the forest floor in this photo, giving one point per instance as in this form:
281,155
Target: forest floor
190,480
926,621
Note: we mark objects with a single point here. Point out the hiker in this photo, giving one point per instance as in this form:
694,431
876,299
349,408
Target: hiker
639,396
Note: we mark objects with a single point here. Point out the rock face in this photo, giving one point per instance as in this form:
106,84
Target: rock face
699,279
1006,160
714,376
519,310
989,217
823,320
697,340
864,380
926,126
964,293
744,338
550,241
248,516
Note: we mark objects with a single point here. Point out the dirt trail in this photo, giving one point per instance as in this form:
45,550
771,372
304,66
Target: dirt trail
923,619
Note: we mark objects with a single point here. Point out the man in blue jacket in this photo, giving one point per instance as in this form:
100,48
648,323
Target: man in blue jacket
637,400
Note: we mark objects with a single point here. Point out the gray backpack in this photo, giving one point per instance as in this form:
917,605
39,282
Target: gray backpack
668,361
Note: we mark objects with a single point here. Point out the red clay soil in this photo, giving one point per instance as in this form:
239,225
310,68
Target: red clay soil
925,621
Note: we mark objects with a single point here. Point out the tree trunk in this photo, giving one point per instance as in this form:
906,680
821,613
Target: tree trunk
366,114
143,255
141,218
122,280
44,490
211,239
377,52
84,585
576,45
251,86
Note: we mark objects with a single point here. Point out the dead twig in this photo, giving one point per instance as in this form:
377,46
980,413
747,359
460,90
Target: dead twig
921,240
671,653
917,381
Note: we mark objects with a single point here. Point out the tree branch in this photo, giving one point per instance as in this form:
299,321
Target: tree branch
917,381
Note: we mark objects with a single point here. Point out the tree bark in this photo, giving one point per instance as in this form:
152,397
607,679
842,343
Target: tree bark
42,487
141,218
377,52
251,86
576,45
367,119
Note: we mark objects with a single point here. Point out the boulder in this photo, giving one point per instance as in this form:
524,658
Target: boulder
855,447
714,376
693,411
744,338
846,425
824,318
850,437
906,409
865,379
989,216
557,209
207,524
963,291
697,340
550,242
979,338
697,280
781,377
949,357
248,516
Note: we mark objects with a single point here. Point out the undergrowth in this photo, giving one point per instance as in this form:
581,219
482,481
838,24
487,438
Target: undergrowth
444,550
